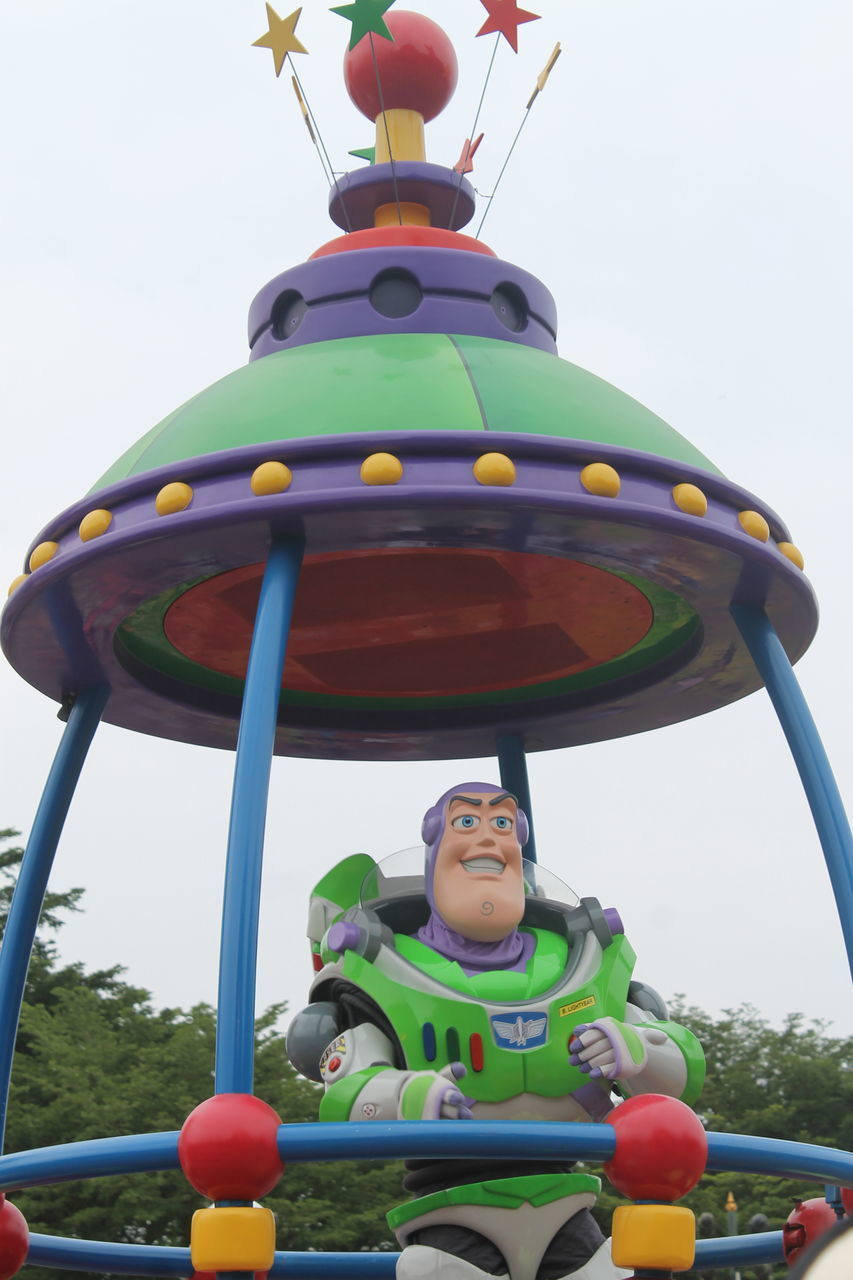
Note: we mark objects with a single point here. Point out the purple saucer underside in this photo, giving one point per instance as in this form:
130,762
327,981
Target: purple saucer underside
457,288
59,627
355,197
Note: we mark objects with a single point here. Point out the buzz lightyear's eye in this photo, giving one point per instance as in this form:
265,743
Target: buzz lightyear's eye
466,822
501,823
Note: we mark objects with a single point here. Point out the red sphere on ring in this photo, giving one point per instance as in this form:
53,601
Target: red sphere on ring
14,1239
808,1220
227,1147
417,69
661,1148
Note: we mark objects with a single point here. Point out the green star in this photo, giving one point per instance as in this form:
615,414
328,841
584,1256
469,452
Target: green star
365,16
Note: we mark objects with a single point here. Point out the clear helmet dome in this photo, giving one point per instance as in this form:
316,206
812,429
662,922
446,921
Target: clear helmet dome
401,875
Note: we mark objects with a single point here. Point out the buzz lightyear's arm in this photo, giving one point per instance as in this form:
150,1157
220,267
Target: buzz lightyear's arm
361,1083
641,1055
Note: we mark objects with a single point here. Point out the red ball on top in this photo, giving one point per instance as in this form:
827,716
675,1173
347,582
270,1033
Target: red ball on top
417,69
14,1239
661,1148
227,1147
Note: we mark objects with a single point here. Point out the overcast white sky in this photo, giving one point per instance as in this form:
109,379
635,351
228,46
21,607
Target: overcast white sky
684,188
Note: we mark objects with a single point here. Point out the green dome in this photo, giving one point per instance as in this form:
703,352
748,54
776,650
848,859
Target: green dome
403,382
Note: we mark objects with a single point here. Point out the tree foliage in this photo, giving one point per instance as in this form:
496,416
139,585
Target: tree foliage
95,1059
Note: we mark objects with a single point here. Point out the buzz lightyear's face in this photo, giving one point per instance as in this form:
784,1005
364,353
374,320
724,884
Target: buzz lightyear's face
478,885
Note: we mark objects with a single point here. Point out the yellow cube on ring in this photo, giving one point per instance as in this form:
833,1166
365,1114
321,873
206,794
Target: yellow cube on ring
659,1236
232,1238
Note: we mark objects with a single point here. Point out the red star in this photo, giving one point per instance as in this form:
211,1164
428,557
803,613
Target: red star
505,17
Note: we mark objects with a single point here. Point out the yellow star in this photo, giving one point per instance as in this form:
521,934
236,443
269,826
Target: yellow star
281,37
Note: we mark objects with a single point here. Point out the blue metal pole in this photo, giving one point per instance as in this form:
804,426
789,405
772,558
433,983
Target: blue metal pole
513,770
809,755
235,1050
37,861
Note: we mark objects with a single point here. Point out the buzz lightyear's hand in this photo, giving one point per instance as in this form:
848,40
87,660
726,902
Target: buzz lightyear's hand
433,1095
607,1049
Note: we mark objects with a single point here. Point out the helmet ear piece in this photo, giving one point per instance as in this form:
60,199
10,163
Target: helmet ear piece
431,825
522,827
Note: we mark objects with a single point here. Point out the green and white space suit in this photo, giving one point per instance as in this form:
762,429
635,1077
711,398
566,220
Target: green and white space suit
401,1014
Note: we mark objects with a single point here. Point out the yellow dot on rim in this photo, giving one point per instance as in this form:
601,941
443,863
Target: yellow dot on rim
270,477
793,553
690,499
42,553
753,523
173,497
94,524
494,468
601,479
16,582
381,468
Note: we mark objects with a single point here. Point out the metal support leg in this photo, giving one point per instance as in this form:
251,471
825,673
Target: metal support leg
235,1049
28,897
809,755
513,767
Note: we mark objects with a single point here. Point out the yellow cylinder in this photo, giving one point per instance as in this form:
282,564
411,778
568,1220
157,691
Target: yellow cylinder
403,130
405,213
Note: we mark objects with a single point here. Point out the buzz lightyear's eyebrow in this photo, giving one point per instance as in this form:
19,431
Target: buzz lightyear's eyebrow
498,799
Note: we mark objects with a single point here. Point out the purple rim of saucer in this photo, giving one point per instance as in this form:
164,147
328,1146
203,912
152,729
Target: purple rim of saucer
59,626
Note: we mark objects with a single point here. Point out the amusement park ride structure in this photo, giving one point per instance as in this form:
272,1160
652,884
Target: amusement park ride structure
404,429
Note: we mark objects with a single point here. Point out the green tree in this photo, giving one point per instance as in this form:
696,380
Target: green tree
94,1059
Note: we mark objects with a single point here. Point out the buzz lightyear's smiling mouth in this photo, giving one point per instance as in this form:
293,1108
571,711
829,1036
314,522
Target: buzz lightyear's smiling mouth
484,865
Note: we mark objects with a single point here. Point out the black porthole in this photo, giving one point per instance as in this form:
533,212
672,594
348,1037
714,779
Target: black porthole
395,293
510,306
287,315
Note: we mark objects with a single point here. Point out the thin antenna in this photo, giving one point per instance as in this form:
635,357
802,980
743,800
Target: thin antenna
541,81
303,107
542,78
387,131
317,138
282,41
467,152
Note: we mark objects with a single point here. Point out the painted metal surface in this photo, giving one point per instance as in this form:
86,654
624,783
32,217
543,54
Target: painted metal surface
235,1022
25,908
306,1142
815,771
421,1139
152,1260
513,773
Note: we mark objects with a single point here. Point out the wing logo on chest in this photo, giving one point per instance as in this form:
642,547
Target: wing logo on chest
517,1031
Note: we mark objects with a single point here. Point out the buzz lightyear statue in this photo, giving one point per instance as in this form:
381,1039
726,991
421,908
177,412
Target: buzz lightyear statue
472,973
